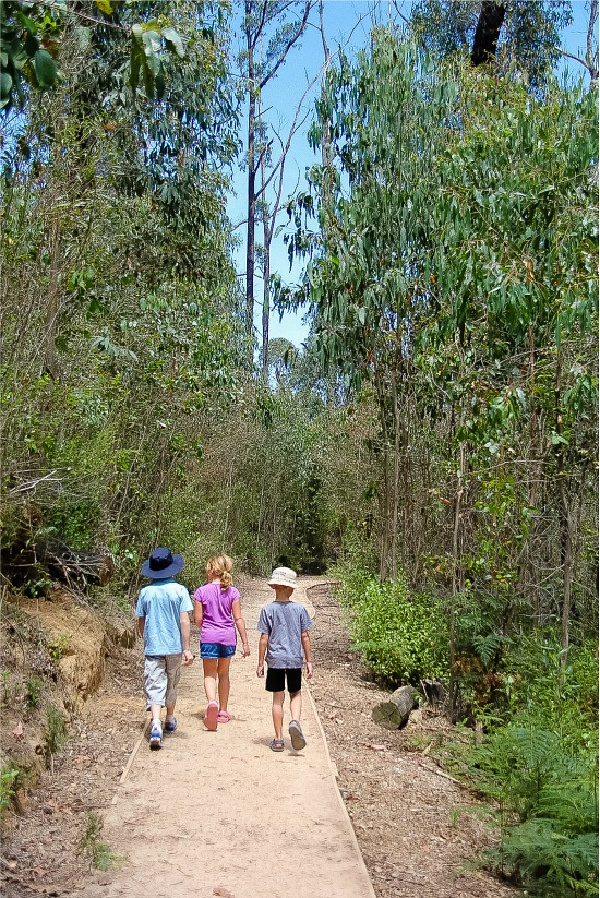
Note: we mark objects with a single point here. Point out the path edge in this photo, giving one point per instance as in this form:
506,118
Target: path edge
347,821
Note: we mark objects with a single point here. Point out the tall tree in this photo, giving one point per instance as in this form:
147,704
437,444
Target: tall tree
522,34
269,34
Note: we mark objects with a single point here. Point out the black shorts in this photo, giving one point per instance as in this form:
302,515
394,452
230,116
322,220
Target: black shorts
276,677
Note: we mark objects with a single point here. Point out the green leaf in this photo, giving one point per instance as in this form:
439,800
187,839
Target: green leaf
173,39
6,84
45,68
104,6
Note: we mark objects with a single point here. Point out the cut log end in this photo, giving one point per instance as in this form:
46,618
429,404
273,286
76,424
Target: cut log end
387,715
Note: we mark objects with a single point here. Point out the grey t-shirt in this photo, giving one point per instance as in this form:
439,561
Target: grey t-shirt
284,623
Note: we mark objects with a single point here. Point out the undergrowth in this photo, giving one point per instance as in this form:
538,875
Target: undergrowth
536,767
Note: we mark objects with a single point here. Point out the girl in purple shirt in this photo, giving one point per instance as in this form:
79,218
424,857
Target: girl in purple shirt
217,612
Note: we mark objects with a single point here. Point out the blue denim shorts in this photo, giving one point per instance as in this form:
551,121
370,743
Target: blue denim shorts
216,650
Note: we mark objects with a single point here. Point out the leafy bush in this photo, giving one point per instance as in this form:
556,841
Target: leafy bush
401,636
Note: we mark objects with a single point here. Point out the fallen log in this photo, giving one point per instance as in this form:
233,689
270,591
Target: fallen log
393,714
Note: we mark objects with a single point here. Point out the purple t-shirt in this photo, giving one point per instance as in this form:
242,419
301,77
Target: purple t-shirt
217,622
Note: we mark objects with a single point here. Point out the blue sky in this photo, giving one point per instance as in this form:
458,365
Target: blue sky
348,23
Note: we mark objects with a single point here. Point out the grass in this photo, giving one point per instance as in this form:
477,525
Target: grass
103,858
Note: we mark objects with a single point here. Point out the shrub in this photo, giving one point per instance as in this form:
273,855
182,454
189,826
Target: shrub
402,637
55,730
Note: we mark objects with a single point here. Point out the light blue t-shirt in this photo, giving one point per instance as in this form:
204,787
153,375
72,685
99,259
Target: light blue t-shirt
160,604
284,623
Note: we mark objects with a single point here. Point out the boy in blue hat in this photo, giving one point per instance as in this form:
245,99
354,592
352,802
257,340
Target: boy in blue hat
163,610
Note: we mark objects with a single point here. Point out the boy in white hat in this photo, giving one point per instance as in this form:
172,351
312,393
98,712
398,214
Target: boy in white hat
284,627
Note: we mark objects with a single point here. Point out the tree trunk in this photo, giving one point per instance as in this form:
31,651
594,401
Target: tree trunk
489,24
250,244
267,234
50,357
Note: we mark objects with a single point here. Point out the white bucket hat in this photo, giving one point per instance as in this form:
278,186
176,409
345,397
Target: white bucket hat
283,576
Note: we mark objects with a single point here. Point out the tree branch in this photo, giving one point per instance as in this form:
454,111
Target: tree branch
307,8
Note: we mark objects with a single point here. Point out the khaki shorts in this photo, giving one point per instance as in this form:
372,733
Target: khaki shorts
161,678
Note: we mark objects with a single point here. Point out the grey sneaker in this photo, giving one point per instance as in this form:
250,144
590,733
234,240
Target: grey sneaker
296,735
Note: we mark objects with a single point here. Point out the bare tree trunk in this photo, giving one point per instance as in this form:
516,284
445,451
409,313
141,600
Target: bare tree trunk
395,483
250,245
267,235
50,358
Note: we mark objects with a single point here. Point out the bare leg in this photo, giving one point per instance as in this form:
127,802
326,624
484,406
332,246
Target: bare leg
278,700
223,673
210,678
296,705
155,710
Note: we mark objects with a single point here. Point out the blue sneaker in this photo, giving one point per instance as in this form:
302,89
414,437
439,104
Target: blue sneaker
156,737
170,724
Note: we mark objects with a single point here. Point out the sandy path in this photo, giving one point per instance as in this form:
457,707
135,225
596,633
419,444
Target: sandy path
221,814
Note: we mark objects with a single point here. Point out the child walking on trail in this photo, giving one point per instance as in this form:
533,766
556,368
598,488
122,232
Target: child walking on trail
284,627
163,610
218,613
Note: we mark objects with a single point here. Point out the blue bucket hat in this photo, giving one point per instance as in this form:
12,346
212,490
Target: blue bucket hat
162,564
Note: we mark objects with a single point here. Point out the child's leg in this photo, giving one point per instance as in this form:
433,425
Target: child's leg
278,700
223,674
296,705
173,677
155,684
210,678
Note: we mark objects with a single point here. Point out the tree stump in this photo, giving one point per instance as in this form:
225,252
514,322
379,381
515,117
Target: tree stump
394,713
434,692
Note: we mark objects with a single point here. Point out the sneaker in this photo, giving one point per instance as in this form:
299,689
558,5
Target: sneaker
296,735
170,724
156,737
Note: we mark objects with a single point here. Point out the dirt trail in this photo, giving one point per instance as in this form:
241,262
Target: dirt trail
221,814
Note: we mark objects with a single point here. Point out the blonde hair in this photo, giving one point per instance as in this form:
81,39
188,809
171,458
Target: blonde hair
220,566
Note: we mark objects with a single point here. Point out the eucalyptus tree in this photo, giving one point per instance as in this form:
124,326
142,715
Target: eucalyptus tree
116,260
453,271
528,31
32,33
271,30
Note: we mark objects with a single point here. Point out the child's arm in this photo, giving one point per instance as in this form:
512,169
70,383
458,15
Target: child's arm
184,623
236,611
262,648
141,622
198,612
307,654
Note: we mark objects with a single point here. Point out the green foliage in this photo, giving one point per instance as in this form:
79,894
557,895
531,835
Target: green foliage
33,689
102,856
539,767
8,775
529,40
401,636
55,730
32,33
58,646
